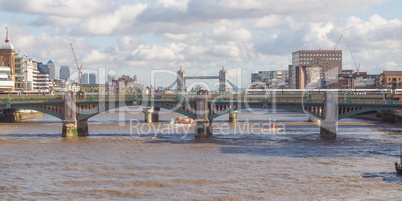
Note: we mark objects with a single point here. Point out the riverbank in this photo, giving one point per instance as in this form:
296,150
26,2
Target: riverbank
396,117
10,115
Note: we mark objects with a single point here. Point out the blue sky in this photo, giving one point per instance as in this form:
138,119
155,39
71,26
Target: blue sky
140,37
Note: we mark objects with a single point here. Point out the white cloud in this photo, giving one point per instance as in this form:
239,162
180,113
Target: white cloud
269,22
202,35
95,57
106,24
224,34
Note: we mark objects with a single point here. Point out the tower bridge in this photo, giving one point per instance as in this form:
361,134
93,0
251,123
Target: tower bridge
222,77
203,108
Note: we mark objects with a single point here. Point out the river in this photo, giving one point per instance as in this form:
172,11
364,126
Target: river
125,160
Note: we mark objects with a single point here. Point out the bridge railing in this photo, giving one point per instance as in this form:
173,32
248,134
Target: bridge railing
370,101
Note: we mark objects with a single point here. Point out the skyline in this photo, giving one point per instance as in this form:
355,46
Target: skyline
135,37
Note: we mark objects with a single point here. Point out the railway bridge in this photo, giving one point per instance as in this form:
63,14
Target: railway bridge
203,108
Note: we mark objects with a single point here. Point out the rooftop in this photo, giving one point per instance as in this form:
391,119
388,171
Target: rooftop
392,73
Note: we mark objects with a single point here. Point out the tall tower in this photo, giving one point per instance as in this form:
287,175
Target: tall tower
52,70
7,57
181,82
64,72
223,80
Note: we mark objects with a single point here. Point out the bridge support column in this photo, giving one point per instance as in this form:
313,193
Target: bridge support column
328,126
155,114
72,127
203,127
75,128
82,127
233,116
328,129
7,115
148,114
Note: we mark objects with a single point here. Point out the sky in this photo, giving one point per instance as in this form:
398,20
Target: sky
152,39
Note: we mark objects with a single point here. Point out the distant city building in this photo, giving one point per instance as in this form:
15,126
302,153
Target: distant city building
256,77
26,74
42,83
19,73
42,68
5,79
110,78
64,72
92,78
52,70
59,85
7,60
125,82
391,79
85,78
309,61
272,79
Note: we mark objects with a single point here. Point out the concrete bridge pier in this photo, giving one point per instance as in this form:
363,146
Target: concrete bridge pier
72,127
155,114
233,116
148,114
328,129
203,127
7,115
151,114
328,126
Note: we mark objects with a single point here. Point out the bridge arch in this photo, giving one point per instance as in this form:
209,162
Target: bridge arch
279,107
59,116
97,111
349,114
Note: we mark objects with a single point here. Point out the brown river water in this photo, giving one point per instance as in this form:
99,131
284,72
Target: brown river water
125,160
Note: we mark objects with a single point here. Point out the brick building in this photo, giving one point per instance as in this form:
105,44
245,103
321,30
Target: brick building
304,62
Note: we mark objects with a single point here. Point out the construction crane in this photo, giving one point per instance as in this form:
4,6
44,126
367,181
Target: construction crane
79,68
338,42
357,67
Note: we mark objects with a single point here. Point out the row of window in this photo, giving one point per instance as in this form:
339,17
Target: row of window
320,59
321,55
331,63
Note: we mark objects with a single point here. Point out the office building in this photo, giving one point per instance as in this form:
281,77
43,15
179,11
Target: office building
64,72
307,63
52,70
42,82
42,68
85,78
92,78
5,79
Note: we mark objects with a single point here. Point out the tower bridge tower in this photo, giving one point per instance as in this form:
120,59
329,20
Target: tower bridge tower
223,85
181,82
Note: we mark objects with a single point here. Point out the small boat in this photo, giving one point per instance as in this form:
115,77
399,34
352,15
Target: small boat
398,167
183,120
